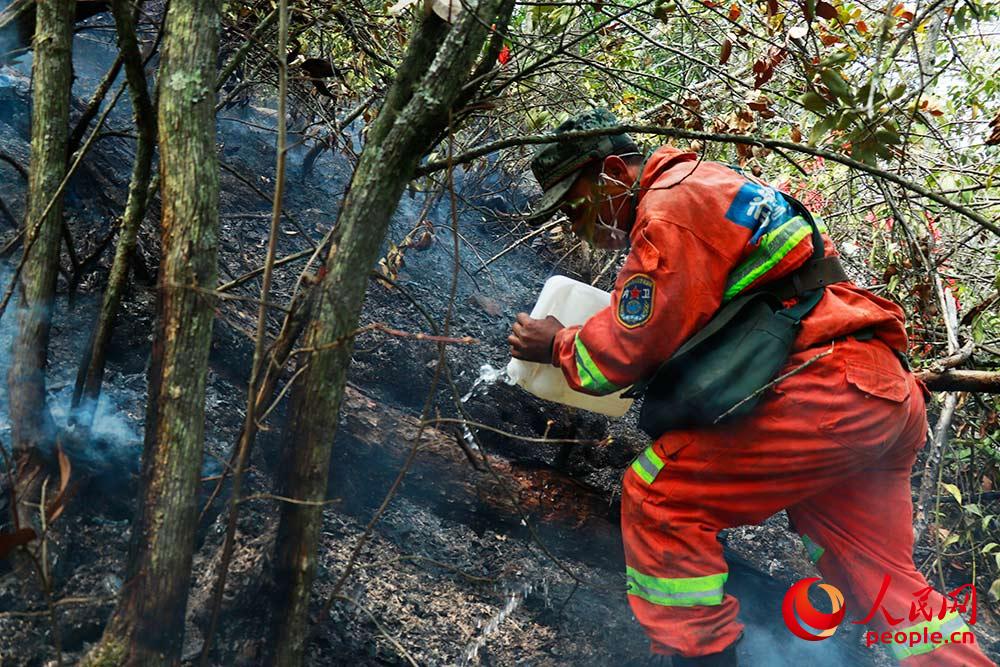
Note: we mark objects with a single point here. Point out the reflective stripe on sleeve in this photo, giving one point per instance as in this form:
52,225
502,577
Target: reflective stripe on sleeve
591,377
774,247
647,465
680,592
947,626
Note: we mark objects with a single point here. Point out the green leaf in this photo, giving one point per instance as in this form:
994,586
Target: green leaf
813,102
887,137
954,491
822,127
995,590
838,87
862,151
847,118
989,548
835,59
897,91
961,23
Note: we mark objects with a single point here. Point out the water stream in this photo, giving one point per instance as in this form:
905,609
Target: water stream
488,376
515,598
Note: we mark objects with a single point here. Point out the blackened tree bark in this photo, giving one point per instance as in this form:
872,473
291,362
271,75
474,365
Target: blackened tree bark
438,62
51,78
147,626
91,373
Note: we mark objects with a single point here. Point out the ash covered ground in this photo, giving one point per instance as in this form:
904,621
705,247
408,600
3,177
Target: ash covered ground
455,571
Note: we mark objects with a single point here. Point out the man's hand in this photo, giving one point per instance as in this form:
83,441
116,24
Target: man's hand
531,339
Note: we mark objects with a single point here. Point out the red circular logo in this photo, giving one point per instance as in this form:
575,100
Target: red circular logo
803,619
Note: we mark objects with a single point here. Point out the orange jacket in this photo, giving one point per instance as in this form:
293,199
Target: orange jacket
697,225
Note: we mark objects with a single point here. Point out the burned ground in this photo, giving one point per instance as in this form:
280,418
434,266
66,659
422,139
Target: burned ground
454,573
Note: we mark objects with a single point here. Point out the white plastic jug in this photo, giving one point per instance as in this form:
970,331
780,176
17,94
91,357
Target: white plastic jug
571,302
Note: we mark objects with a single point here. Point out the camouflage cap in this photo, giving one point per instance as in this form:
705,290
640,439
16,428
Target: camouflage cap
556,166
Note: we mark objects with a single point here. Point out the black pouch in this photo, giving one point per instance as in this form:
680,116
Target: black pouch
721,373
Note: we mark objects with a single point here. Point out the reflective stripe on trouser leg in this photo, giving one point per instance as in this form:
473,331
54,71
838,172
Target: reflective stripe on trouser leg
813,550
647,465
947,626
676,570
676,592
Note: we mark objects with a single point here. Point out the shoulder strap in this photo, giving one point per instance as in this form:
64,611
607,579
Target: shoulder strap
817,272
817,237
804,306
721,318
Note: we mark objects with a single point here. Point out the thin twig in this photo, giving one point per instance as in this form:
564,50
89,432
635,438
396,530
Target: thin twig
678,133
515,436
293,501
795,371
249,424
381,629
33,235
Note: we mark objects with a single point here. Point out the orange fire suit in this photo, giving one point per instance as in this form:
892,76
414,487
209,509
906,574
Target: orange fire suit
833,444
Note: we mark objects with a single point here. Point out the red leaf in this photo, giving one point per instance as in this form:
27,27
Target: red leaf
727,50
772,7
994,138
763,77
734,12
902,13
58,504
504,56
826,10
862,27
759,67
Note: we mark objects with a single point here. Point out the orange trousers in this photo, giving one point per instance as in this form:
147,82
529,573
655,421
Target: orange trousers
833,444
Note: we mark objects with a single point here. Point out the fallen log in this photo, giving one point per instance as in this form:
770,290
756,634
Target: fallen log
374,440
986,382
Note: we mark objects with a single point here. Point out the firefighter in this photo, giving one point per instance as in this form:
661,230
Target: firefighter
832,444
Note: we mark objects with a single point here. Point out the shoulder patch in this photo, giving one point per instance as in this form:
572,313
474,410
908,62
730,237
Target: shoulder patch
759,208
635,305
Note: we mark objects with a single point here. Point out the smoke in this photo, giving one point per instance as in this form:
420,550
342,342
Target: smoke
766,640
774,646
116,441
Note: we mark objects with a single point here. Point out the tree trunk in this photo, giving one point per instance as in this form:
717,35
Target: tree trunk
438,61
147,627
91,372
51,78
